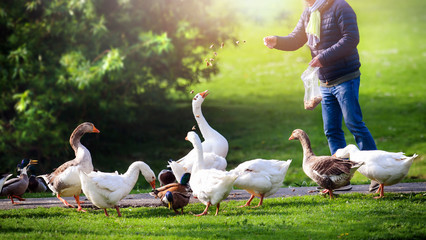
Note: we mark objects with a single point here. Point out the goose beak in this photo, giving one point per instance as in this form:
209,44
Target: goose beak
204,94
291,137
95,130
186,138
152,184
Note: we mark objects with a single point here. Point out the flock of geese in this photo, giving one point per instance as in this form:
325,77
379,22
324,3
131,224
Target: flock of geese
202,172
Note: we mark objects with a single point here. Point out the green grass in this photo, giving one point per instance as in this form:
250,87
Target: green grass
350,216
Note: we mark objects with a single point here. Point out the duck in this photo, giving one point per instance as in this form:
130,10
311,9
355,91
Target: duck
260,177
386,168
15,187
65,180
165,177
176,200
209,185
104,190
35,183
215,145
175,195
329,172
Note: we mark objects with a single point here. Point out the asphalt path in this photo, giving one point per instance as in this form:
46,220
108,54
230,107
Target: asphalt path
146,200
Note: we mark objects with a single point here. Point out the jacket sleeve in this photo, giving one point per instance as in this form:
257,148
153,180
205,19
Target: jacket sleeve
347,23
295,39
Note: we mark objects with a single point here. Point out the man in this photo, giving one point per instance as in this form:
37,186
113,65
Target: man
330,29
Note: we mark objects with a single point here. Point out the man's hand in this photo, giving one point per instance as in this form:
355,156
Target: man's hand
315,62
270,41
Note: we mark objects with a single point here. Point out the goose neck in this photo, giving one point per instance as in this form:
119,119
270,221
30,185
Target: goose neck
306,146
132,172
199,161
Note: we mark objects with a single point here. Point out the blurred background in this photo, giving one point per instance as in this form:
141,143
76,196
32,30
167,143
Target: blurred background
129,67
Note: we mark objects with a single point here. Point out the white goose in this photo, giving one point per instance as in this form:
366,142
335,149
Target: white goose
215,146
387,168
211,185
104,190
65,181
260,177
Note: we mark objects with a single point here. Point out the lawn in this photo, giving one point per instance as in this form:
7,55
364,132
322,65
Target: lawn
350,216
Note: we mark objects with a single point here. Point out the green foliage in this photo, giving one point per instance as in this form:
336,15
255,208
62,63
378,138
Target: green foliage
113,63
350,216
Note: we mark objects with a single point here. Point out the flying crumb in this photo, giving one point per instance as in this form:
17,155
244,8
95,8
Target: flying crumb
192,91
211,59
212,46
209,64
222,45
193,128
215,53
237,42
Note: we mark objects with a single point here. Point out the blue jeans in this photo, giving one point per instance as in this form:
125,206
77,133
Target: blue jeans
342,101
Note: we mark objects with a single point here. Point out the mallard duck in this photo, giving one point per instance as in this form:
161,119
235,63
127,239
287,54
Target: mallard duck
65,180
260,177
175,195
386,168
104,190
327,171
210,185
35,183
15,187
215,146
166,176
176,200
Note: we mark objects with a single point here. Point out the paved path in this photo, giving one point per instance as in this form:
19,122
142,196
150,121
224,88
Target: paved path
145,200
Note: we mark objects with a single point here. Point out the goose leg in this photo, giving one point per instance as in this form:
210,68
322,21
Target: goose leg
261,200
382,191
330,192
64,201
106,213
11,199
205,210
217,209
248,202
77,199
118,211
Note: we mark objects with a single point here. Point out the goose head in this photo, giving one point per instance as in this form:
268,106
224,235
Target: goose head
199,99
148,174
298,134
346,151
79,131
193,138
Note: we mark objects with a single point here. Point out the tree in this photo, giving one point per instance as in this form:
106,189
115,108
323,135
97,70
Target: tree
115,63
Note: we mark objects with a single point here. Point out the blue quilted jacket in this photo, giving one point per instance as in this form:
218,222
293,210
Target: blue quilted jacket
339,38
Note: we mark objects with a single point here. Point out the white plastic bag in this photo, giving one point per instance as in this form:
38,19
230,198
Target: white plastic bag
312,91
